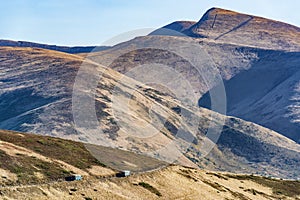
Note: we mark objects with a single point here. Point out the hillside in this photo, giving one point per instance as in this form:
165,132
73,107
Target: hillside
37,171
65,49
243,70
37,89
32,159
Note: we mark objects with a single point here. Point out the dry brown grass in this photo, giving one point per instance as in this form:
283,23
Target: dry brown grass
279,187
73,153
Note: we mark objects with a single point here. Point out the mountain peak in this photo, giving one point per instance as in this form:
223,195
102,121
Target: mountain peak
237,28
216,10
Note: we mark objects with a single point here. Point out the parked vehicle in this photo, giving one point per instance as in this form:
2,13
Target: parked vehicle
123,173
75,177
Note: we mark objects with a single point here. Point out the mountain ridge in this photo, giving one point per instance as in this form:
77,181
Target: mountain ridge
243,29
65,49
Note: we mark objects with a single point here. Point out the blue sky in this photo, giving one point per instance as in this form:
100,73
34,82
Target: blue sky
91,22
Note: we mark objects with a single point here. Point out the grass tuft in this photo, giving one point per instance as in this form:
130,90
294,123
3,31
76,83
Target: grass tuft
150,188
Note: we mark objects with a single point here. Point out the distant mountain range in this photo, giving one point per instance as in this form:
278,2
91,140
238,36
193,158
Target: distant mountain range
257,59
72,50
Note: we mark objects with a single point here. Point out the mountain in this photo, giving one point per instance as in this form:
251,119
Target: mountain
225,26
260,75
39,87
253,78
41,92
72,50
34,167
136,106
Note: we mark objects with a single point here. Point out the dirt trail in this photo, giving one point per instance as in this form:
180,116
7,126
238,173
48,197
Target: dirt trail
173,182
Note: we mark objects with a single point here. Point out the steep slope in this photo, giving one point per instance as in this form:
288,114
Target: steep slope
36,96
267,93
253,78
32,83
225,26
73,50
37,171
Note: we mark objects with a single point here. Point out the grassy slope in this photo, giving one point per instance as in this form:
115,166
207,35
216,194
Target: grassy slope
37,159
161,183
73,153
22,162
